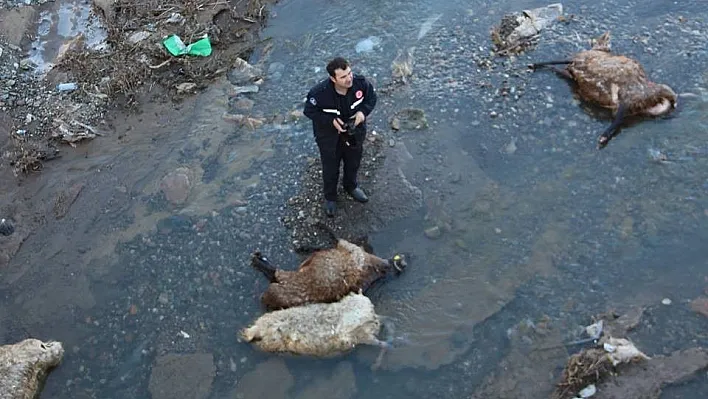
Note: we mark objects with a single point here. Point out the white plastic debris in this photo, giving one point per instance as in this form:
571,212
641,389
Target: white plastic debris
531,22
175,18
183,334
138,37
542,17
588,391
594,330
67,86
666,301
368,44
622,351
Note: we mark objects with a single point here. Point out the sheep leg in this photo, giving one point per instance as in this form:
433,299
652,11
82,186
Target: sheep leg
261,263
613,129
385,346
388,327
547,63
561,72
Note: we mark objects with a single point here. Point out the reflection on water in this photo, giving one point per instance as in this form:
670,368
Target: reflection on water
539,230
58,24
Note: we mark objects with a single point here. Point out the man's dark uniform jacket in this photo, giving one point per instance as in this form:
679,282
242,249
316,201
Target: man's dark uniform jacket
323,104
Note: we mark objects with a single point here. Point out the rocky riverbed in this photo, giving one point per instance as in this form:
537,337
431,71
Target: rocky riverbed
133,248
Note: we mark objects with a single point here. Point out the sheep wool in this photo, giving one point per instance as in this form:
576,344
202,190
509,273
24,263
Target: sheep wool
318,329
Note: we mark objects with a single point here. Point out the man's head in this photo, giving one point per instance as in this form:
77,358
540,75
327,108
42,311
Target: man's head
340,73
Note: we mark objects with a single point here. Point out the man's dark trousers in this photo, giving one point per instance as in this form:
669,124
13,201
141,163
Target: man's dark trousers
334,150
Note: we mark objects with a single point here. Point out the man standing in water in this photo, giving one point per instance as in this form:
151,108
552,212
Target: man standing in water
338,107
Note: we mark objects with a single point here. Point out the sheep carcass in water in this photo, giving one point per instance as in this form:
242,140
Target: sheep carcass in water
318,329
615,82
327,275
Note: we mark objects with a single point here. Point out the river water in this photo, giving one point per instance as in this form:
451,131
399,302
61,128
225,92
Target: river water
540,230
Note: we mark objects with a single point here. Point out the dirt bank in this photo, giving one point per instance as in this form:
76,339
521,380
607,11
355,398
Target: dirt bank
39,121
66,101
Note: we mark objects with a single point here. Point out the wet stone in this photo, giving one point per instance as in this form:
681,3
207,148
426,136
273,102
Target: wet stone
275,70
243,73
6,227
243,104
175,223
700,305
409,119
433,232
177,185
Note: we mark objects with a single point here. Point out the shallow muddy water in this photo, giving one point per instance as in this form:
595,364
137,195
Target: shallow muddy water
537,225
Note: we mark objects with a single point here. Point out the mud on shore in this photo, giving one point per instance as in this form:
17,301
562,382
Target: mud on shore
129,67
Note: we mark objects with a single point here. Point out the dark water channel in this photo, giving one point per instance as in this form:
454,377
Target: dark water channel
538,226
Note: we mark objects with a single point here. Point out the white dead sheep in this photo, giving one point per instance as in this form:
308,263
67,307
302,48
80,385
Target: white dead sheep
318,329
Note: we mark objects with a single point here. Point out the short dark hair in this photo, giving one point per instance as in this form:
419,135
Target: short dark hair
337,63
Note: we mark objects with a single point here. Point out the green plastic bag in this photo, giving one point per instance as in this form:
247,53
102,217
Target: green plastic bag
176,46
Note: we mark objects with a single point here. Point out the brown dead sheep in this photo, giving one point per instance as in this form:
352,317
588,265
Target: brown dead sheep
614,82
327,275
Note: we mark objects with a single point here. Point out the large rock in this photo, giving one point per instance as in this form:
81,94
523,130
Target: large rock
182,376
244,73
25,365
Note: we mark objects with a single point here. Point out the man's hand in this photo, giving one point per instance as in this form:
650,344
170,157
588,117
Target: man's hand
339,125
359,118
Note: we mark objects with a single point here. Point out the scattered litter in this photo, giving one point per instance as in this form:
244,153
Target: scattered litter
594,330
183,334
138,37
70,134
666,301
517,32
590,366
588,391
175,18
657,156
246,89
66,87
186,87
176,46
621,350
368,44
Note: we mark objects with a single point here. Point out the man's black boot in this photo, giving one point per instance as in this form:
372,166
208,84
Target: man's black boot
359,195
330,208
